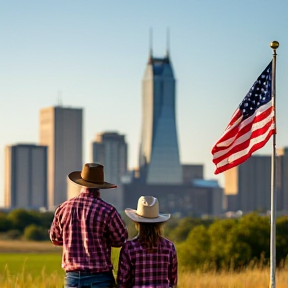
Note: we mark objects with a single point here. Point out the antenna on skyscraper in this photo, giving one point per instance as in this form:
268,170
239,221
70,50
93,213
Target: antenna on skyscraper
167,41
151,41
59,98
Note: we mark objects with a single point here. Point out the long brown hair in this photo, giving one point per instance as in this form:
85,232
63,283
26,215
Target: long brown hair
149,233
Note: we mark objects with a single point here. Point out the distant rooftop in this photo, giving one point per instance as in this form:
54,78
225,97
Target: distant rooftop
205,183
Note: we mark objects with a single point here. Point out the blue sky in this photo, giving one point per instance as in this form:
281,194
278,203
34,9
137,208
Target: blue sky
92,54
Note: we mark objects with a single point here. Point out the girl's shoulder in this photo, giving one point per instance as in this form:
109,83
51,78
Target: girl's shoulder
132,242
166,242
132,246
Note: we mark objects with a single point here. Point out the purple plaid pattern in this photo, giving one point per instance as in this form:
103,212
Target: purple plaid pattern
87,227
140,267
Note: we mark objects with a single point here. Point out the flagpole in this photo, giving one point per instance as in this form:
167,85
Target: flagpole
274,45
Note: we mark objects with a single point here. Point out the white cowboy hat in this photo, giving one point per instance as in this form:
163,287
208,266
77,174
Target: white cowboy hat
91,176
147,211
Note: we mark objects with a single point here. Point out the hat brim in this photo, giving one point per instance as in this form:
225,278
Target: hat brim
76,178
132,214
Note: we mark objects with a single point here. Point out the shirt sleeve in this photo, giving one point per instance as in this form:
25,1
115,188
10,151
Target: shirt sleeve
117,230
124,274
55,232
173,268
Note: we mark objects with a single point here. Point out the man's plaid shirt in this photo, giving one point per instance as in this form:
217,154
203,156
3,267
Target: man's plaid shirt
87,227
140,267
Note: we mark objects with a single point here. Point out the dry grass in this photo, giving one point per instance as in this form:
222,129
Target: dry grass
247,279
25,280
250,278
17,246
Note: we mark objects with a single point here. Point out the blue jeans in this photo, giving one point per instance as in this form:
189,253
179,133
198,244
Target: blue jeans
81,279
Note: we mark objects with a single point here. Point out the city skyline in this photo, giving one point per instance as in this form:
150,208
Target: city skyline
92,55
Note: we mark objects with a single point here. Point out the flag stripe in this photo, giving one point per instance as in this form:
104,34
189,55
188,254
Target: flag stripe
221,167
230,135
242,145
250,127
245,132
244,142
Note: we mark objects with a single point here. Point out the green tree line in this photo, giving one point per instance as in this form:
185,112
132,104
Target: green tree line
232,243
229,243
25,224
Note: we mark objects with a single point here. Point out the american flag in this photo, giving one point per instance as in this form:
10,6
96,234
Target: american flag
251,126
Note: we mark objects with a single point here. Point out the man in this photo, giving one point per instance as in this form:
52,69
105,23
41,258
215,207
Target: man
88,227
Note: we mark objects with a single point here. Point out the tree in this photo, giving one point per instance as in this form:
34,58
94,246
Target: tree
194,253
20,218
281,239
46,219
238,251
254,230
35,233
219,232
5,223
184,227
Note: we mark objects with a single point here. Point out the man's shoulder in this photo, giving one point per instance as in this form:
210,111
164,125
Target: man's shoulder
62,205
106,204
97,202
109,208
67,203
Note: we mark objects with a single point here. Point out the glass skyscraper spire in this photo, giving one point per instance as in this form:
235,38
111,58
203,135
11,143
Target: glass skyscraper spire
159,161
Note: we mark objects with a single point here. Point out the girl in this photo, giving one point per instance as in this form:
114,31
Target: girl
148,260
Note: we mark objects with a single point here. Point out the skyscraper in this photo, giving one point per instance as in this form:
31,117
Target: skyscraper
25,176
248,185
282,179
61,131
110,149
159,160
160,172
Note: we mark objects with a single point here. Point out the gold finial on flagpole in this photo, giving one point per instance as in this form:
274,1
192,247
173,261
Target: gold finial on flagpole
274,45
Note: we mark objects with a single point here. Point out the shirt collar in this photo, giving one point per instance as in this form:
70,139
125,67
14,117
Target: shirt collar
92,192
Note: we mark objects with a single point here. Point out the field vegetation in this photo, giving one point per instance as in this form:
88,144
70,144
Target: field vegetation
227,253
38,265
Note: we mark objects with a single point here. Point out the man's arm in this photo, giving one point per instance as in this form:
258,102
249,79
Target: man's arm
124,275
55,232
118,231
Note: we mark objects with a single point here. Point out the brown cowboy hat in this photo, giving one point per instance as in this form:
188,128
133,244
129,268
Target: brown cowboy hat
147,211
91,176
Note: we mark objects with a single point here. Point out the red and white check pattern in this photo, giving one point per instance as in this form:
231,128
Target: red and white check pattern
87,227
140,267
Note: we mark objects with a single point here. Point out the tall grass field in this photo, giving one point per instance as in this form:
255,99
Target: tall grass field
38,265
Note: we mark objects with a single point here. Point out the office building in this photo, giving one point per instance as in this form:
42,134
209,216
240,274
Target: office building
191,172
25,182
61,130
110,150
248,186
159,160
282,179
195,200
